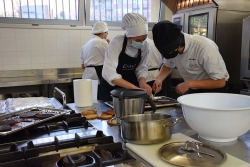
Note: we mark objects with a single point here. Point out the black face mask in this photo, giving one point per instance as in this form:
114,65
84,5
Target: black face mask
171,55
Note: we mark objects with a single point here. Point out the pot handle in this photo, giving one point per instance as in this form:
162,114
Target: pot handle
171,124
121,96
152,104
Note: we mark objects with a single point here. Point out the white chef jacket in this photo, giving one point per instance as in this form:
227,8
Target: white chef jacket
200,60
155,60
93,53
111,59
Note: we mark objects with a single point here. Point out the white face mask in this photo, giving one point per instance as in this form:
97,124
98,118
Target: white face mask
137,45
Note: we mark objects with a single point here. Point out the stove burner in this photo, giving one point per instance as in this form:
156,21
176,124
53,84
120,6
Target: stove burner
78,159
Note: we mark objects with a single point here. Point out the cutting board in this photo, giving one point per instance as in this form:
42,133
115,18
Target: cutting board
150,153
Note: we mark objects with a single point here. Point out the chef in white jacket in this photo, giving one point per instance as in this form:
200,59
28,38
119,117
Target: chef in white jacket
93,52
154,63
126,57
197,58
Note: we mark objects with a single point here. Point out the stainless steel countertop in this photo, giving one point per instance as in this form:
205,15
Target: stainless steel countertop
39,76
239,148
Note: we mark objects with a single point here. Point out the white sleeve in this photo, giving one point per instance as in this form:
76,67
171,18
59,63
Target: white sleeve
111,61
169,63
211,60
142,68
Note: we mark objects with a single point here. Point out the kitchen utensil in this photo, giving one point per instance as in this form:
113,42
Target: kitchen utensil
219,117
190,149
130,101
177,153
147,128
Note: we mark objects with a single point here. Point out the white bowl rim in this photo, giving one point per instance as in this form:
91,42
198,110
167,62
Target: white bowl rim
230,109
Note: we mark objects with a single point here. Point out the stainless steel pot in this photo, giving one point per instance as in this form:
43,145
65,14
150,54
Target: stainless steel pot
147,128
130,102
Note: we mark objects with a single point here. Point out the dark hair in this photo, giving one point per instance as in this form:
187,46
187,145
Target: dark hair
98,34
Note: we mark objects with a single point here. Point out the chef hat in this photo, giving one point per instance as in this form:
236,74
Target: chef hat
99,27
167,36
134,24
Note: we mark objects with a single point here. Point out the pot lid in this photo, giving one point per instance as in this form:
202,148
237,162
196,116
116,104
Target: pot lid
191,154
128,92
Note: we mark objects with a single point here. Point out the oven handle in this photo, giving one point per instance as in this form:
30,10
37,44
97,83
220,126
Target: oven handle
63,96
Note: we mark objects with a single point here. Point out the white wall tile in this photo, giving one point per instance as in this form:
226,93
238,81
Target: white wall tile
8,44
24,60
9,54
20,33
1,59
49,60
37,53
75,65
62,43
36,33
50,65
50,44
37,66
50,53
24,66
75,56
0,45
63,65
62,54
51,33
63,58
62,33
23,54
8,33
10,60
36,44
75,43
7,67
74,33
1,68
86,34
37,60
22,44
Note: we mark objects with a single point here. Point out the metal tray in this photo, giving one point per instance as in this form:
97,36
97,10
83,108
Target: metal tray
184,154
54,103
160,101
22,125
2,107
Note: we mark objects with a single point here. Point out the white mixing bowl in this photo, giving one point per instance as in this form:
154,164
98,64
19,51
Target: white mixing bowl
219,117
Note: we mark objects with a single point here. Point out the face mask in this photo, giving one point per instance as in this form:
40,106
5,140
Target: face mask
137,45
172,55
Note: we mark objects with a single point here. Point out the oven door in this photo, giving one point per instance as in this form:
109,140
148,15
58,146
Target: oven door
201,22
245,50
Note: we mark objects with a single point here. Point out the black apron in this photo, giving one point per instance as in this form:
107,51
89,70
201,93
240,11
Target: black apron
98,70
126,68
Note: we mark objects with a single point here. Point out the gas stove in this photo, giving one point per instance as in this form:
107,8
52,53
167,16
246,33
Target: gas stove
66,141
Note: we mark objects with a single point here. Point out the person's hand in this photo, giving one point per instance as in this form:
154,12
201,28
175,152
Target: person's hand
147,88
108,41
157,86
182,88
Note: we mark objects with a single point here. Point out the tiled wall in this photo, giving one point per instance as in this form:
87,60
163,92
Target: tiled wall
22,49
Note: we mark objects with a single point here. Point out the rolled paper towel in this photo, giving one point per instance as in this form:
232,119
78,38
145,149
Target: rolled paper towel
83,92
